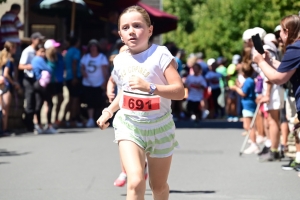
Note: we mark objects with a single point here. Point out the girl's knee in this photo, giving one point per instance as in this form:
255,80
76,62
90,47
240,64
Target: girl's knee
159,189
136,183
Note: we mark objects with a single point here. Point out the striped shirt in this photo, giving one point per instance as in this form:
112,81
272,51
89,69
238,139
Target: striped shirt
9,29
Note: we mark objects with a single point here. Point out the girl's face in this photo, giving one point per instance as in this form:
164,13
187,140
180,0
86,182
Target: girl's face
283,34
13,49
196,69
41,52
135,32
93,49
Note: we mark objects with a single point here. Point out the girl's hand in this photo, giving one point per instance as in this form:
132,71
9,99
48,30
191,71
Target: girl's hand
233,87
265,99
102,121
136,83
257,57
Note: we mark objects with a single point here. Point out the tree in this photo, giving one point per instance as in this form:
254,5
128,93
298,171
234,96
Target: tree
2,1
215,27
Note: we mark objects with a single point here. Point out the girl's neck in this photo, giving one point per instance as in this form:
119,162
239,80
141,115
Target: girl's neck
94,54
133,52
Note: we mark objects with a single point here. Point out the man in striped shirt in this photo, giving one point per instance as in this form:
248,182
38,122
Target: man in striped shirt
10,25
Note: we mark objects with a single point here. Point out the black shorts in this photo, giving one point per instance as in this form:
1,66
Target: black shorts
193,107
94,97
75,90
55,88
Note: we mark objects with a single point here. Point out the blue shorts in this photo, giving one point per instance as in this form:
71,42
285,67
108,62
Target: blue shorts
247,113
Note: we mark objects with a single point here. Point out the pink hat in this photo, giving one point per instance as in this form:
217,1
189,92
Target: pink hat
51,43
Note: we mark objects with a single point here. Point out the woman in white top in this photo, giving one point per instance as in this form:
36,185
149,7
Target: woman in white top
94,68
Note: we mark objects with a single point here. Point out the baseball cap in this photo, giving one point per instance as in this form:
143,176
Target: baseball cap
260,31
248,34
236,58
93,41
270,37
277,28
211,61
37,35
51,43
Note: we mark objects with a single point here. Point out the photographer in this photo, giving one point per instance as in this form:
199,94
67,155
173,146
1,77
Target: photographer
288,69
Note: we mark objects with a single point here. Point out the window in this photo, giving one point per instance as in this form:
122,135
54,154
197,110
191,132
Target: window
48,30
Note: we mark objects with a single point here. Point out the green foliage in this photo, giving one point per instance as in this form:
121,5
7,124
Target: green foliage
215,27
2,1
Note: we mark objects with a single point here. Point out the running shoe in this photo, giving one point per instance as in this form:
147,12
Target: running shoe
290,166
269,157
235,119
205,113
265,150
253,148
50,130
38,130
90,123
121,180
230,119
297,167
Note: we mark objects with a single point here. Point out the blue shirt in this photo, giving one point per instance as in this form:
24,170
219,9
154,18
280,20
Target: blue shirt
204,67
179,64
213,79
248,102
72,54
290,61
38,65
10,66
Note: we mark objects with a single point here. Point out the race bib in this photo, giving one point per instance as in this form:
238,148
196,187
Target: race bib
140,102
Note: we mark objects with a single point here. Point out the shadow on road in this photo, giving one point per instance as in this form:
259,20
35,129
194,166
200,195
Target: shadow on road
4,152
192,191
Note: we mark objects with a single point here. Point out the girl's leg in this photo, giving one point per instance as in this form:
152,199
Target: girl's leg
273,121
133,160
60,99
6,101
158,175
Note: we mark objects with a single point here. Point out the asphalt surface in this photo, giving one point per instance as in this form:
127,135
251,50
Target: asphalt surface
81,164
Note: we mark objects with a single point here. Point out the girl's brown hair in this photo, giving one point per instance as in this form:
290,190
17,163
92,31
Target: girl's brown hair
51,54
5,54
138,9
291,24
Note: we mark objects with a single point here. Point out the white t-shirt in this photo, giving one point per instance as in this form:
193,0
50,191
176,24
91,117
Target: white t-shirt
277,92
195,93
150,66
27,55
93,68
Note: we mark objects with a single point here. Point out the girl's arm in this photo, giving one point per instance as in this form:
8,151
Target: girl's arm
104,69
174,90
110,89
114,106
238,90
7,76
273,76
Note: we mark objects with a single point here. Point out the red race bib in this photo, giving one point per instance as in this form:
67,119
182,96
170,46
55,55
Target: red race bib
140,102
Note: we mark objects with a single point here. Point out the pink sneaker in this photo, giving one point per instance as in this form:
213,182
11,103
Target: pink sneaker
121,180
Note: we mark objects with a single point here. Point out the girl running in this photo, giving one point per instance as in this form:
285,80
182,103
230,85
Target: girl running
144,124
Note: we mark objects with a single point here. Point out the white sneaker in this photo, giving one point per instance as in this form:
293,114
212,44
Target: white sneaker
38,130
90,123
260,139
50,130
205,113
193,117
253,148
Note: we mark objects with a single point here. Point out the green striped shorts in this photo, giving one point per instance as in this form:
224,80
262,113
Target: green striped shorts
156,137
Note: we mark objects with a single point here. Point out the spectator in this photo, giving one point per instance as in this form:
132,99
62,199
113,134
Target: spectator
179,56
3,90
9,29
28,81
55,87
111,28
74,82
231,97
202,63
94,68
7,65
196,85
42,76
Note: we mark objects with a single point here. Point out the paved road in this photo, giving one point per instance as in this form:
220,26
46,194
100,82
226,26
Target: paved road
81,164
